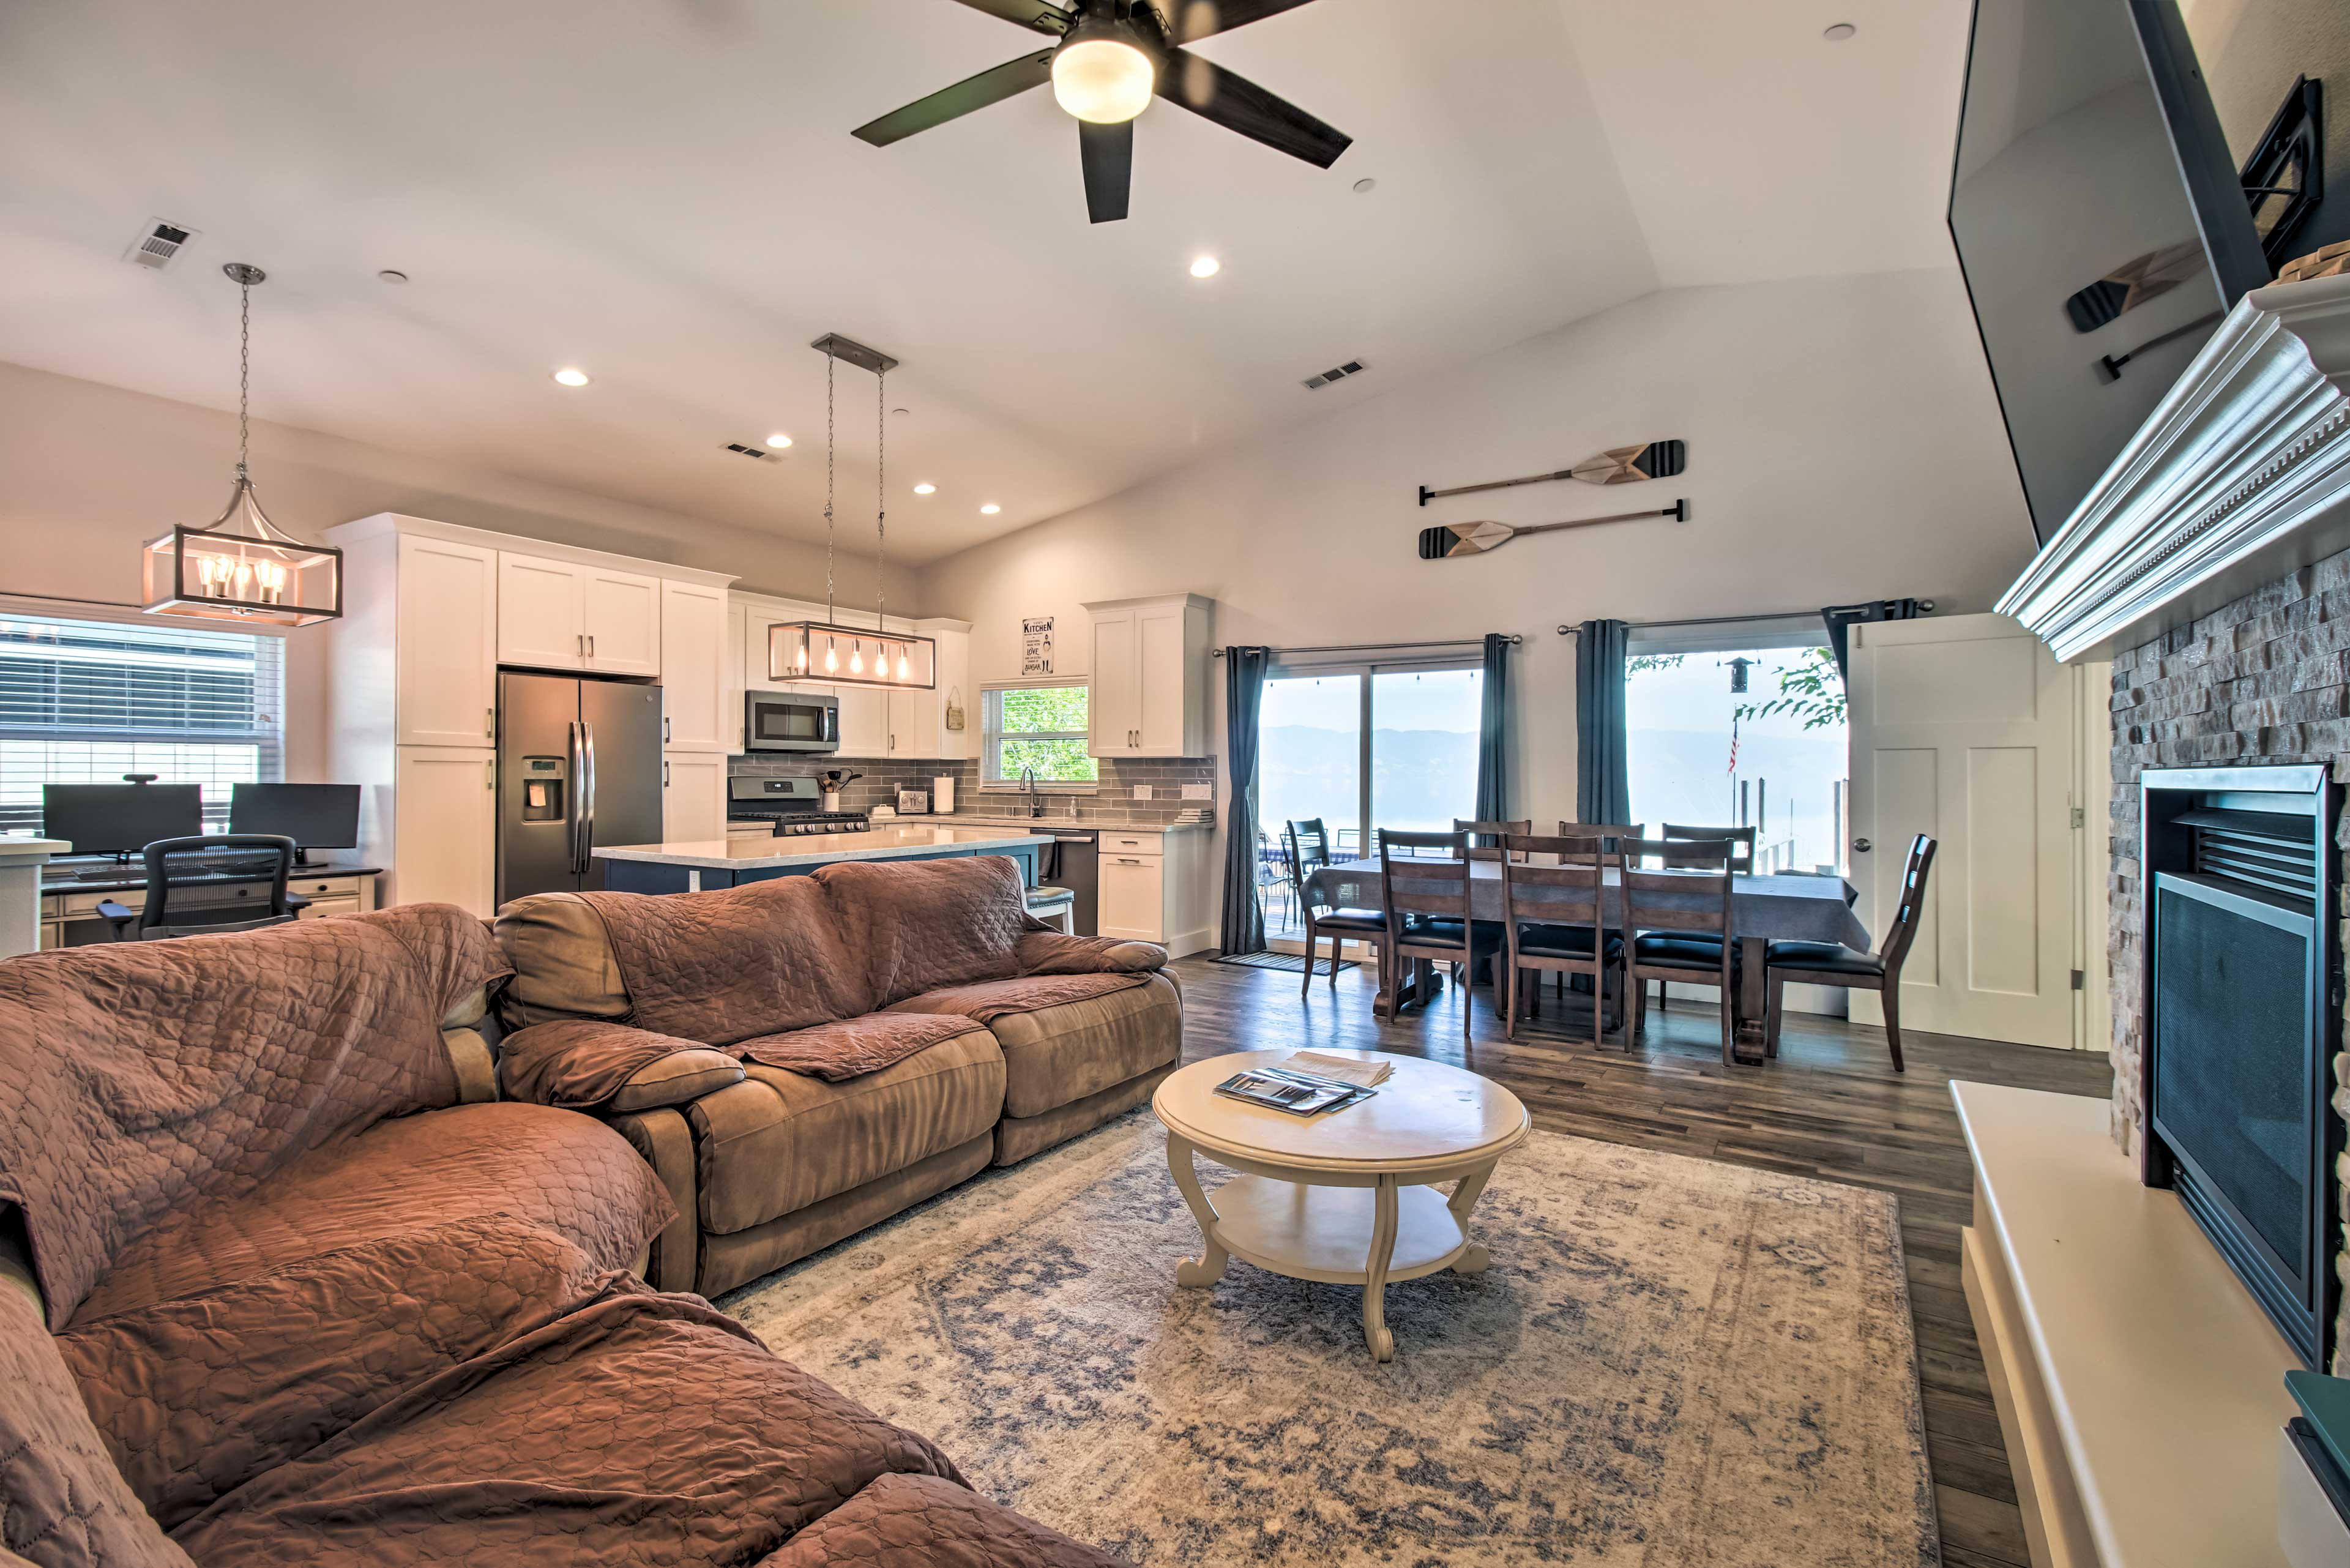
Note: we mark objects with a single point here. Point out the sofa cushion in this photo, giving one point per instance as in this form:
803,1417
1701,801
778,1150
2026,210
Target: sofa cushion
989,999
563,962
593,1065
557,1168
63,1503
855,1046
147,1077
1057,952
924,1521
635,1428
198,1396
1056,1054
922,924
781,1140
725,965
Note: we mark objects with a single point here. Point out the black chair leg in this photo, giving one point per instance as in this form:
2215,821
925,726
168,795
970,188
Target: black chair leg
1776,1004
1305,984
1891,997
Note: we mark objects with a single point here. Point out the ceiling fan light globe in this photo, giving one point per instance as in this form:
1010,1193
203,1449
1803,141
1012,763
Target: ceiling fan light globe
1102,81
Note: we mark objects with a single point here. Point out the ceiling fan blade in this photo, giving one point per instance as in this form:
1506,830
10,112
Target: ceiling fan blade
1035,15
1107,154
1009,79
1197,19
1236,103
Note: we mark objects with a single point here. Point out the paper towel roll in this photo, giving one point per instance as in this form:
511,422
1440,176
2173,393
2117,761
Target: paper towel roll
942,792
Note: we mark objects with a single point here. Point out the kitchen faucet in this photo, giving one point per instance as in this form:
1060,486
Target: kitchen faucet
1035,800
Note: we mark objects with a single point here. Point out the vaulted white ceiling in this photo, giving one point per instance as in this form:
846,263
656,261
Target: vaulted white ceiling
665,193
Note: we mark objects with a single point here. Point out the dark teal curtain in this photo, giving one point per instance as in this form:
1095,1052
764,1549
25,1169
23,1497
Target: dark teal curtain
1493,763
1603,778
1243,926
1841,619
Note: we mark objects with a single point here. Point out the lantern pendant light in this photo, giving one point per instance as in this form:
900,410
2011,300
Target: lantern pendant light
241,566
812,649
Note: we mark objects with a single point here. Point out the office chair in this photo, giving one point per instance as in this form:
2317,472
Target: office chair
153,920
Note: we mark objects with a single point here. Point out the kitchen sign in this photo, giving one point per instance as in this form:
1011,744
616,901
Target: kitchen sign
1036,645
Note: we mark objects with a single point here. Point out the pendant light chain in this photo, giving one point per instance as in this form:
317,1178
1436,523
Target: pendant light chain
243,374
828,446
881,501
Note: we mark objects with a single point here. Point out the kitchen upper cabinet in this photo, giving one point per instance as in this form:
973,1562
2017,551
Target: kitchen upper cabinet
864,719
444,644
1149,677
562,615
621,614
445,826
694,649
538,612
913,724
693,796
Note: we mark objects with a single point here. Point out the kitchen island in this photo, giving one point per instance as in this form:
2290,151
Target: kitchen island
694,865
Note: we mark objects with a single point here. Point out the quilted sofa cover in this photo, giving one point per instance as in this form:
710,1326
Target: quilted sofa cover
278,1285
804,1056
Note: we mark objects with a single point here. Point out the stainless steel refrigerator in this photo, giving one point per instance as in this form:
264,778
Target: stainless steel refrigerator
579,764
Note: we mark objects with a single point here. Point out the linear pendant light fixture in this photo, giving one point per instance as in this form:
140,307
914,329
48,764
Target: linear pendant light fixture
825,652
241,566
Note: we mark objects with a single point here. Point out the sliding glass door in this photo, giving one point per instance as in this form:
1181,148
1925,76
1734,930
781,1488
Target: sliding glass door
1361,747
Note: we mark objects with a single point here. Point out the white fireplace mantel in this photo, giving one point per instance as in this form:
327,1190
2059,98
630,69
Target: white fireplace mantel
2241,476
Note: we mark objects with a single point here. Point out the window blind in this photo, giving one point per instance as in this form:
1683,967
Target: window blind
87,701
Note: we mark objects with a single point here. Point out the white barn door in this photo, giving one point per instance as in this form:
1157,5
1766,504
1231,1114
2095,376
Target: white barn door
1963,728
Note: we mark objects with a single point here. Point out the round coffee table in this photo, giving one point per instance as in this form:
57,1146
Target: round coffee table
1345,1198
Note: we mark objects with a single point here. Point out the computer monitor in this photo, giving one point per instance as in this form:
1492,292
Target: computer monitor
120,818
313,816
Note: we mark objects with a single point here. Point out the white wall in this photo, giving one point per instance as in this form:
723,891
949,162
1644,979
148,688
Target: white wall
89,472
1844,443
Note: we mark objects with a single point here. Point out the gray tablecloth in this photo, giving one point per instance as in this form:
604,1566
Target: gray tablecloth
1776,908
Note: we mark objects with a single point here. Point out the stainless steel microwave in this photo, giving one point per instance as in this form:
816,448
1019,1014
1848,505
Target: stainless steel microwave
790,722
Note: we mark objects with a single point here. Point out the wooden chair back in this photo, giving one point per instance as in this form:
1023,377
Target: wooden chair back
1693,897
1609,833
1484,837
1435,884
1309,843
1910,907
1549,881
1740,839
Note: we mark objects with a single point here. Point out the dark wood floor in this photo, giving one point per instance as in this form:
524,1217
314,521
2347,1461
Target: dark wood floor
1830,1106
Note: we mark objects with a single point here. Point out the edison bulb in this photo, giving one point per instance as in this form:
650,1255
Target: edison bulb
857,659
1102,81
831,658
905,666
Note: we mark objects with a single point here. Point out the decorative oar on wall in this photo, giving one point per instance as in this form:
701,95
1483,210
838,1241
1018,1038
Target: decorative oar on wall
1476,539
1617,465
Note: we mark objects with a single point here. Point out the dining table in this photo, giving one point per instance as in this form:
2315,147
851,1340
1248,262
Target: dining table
1763,909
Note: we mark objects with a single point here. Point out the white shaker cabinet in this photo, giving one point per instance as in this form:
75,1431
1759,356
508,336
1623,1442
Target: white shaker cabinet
694,648
444,644
693,796
1154,887
566,615
446,828
1149,677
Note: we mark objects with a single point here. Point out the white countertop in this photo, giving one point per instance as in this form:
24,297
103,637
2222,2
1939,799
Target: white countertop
1052,822
13,847
890,842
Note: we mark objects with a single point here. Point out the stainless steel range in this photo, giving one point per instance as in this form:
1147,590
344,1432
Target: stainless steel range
794,805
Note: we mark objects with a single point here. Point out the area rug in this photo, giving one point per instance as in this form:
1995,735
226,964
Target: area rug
1293,962
1671,1361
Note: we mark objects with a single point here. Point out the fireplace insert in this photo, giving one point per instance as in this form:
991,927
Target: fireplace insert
2242,997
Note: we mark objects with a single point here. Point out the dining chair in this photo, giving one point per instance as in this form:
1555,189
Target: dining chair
1665,908
1608,832
1309,841
1832,963
273,859
1479,832
1368,927
1741,839
1554,918
1427,900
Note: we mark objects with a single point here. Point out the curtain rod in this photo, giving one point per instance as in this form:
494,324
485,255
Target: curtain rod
1569,630
1511,637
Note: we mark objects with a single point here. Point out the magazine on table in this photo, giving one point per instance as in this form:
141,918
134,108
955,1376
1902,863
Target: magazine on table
1345,1069
1298,1094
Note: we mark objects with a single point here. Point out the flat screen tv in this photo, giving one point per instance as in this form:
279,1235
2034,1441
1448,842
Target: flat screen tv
2100,211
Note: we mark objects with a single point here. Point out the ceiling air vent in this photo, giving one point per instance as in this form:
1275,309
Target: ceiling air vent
1338,373
158,243
741,449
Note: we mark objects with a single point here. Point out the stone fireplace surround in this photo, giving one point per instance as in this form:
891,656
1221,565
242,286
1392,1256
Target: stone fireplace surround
2263,680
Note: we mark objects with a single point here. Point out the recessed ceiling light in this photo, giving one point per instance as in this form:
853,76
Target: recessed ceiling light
779,440
572,376
926,489
990,509
1839,32
1365,186
389,275
1206,266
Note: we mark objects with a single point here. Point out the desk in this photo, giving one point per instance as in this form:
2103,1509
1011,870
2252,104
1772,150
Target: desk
70,894
21,860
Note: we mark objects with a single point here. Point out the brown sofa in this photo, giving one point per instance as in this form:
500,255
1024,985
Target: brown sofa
804,1057
282,1282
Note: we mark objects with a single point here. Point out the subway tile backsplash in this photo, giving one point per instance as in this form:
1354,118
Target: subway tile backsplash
1113,803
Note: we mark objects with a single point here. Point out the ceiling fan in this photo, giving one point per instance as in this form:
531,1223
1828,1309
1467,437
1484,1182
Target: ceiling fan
1111,58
